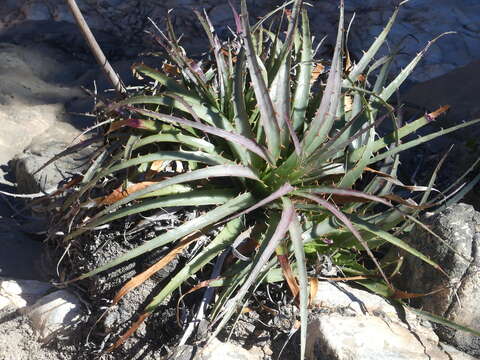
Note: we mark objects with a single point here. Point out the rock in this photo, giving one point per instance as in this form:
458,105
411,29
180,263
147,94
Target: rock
437,92
459,227
221,13
428,96
33,97
56,312
35,156
182,352
353,324
124,22
214,350
48,315
17,294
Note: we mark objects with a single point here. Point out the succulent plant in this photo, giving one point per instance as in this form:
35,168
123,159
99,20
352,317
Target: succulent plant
281,155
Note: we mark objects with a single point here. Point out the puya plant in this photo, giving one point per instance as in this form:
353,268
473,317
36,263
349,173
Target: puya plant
283,160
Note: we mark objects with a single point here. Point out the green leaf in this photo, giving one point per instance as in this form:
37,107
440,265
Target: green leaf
211,217
268,118
258,265
322,122
189,141
442,321
295,231
184,198
230,136
372,51
302,91
196,156
395,84
364,225
213,249
421,140
212,171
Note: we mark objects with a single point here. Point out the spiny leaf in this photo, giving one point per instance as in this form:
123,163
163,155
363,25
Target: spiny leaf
173,196
295,232
236,138
323,120
164,261
221,241
268,117
302,91
370,54
280,231
393,240
343,218
183,230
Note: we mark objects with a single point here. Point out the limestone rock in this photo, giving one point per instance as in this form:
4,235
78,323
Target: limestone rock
352,324
17,294
35,156
213,351
459,227
34,97
56,312
125,21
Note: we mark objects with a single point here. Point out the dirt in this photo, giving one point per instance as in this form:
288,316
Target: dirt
18,341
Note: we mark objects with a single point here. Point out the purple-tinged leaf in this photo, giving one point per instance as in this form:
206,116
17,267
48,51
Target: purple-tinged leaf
238,22
347,192
295,231
293,135
346,221
279,234
229,136
204,173
268,117
281,191
142,124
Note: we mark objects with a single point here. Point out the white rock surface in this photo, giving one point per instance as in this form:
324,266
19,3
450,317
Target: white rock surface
18,294
49,314
215,350
53,313
352,324
32,99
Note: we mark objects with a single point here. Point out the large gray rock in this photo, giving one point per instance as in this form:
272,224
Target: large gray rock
123,23
352,324
34,97
459,227
47,179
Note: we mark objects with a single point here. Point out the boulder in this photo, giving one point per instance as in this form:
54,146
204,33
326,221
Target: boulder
48,179
459,257
120,26
352,324
49,312
34,97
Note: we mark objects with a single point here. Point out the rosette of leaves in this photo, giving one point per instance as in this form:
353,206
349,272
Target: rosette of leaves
281,156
